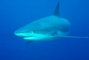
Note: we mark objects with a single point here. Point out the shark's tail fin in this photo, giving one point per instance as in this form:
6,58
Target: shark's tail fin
73,37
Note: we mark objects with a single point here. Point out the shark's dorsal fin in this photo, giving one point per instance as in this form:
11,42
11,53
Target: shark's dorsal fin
56,11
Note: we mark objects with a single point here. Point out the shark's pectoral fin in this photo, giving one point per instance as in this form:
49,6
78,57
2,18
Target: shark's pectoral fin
72,37
29,42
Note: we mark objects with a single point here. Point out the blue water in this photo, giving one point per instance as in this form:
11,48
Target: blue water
17,13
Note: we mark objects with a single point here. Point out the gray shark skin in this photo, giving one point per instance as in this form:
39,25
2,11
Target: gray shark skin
47,28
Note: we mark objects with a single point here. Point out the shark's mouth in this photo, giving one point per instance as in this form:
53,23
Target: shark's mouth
34,36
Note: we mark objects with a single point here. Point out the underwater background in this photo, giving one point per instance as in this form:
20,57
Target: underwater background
17,13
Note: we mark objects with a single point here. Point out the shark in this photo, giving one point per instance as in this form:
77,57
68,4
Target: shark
48,28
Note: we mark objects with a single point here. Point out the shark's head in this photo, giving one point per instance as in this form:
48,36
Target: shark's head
34,36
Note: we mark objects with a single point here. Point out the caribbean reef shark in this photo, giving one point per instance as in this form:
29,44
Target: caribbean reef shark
48,28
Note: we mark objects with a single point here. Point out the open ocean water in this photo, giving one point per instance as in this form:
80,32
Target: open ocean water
17,13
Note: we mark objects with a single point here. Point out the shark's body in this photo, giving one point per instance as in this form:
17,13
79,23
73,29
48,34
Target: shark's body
47,28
